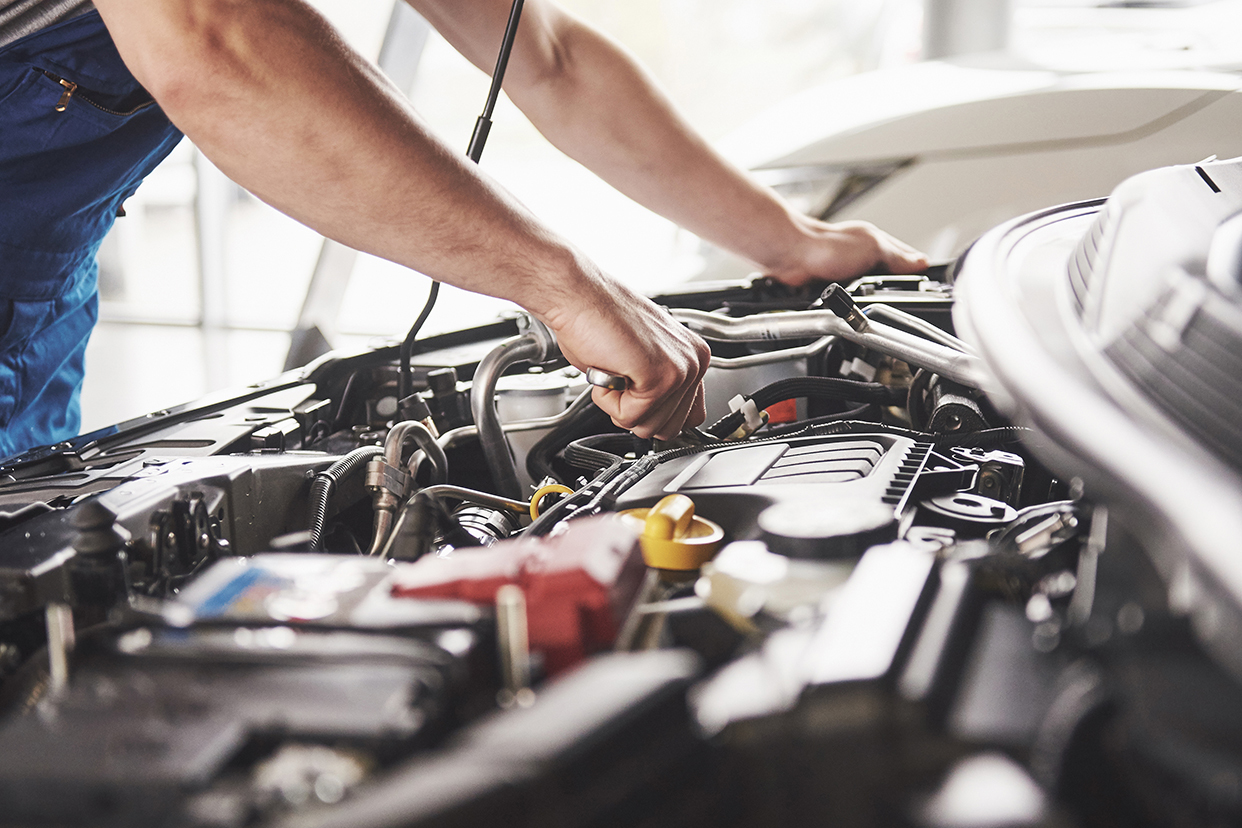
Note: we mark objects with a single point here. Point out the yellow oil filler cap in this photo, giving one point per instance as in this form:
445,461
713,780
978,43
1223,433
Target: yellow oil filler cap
673,537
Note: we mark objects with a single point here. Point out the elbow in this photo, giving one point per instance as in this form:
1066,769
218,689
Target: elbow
553,57
182,50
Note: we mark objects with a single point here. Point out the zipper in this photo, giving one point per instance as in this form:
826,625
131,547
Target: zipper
70,87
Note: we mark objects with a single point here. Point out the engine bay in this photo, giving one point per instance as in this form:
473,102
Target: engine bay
857,591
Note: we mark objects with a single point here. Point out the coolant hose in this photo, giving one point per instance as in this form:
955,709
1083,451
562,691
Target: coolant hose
584,419
533,346
599,451
325,482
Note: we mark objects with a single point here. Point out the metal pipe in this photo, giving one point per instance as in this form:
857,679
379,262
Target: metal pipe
381,526
424,439
960,367
434,494
481,498
920,326
783,355
394,445
533,346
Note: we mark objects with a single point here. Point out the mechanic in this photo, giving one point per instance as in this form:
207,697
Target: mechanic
93,96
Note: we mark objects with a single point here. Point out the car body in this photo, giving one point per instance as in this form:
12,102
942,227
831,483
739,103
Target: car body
959,548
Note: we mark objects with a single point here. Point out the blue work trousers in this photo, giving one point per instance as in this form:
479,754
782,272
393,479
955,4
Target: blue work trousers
77,135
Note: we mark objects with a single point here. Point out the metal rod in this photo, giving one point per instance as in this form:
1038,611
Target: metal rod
60,641
511,633
484,124
481,128
482,498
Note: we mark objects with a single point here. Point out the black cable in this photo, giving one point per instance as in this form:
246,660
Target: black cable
812,387
405,380
866,411
608,494
325,483
544,523
987,438
475,151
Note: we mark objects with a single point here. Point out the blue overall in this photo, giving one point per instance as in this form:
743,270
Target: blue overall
69,156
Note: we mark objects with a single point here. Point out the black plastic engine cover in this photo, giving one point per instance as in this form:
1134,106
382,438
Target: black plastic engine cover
731,486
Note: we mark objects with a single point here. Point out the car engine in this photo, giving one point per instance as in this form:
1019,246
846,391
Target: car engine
953,549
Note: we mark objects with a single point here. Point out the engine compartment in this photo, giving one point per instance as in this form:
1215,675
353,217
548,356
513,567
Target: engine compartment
853,594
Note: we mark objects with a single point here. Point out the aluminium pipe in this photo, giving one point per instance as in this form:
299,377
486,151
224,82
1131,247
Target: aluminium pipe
425,440
917,325
770,357
767,327
394,446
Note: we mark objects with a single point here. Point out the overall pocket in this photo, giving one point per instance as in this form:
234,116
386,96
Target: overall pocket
80,134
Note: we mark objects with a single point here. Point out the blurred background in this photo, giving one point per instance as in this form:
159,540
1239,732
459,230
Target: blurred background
201,283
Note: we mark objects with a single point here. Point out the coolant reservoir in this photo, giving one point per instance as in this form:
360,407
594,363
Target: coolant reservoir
528,397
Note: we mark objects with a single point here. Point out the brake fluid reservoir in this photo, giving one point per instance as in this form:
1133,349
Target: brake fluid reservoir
528,397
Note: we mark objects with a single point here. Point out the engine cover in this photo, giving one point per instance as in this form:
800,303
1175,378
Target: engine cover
733,485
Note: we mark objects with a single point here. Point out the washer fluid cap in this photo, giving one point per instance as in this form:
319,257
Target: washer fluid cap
673,536
829,529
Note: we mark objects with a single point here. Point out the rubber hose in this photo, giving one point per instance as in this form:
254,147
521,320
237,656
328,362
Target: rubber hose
589,459
590,419
915,404
525,348
600,450
814,387
325,482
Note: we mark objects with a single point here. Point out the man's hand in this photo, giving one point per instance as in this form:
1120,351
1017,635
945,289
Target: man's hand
836,252
610,327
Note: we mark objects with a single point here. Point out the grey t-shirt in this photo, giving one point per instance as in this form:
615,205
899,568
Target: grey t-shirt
19,18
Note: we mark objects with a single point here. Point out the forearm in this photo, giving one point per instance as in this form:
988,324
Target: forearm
594,102
605,111
273,96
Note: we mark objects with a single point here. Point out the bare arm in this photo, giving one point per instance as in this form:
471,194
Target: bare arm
595,103
269,91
